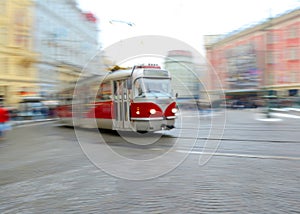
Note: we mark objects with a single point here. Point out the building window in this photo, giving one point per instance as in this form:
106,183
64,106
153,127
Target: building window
271,57
2,7
23,69
3,36
4,65
292,33
294,76
293,53
293,92
273,37
22,40
270,38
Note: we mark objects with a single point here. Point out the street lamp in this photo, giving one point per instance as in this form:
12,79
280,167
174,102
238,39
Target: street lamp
131,24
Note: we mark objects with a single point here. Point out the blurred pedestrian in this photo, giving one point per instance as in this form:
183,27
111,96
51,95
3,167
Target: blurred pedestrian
4,118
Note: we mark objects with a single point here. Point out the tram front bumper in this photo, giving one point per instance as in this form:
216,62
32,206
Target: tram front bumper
153,125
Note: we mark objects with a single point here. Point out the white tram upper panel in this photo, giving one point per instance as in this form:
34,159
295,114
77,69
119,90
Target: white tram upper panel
151,71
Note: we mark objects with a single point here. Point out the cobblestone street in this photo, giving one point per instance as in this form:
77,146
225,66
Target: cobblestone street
44,170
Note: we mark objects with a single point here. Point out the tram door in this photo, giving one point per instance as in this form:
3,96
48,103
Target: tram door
121,106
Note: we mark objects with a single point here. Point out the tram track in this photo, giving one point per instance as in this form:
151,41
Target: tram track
236,139
201,149
112,134
236,147
242,129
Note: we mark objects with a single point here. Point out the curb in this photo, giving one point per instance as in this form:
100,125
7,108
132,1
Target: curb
23,122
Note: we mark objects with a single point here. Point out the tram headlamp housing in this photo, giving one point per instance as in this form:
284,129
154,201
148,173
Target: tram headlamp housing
152,111
174,110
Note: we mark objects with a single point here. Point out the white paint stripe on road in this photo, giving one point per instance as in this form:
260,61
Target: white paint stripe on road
275,116
285,115
239,155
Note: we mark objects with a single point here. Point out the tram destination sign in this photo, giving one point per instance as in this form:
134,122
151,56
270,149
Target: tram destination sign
156,72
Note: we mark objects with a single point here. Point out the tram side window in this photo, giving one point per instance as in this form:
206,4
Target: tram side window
104,92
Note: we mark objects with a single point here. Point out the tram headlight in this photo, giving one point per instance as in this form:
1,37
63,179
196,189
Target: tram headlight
152,111
174,110
138,112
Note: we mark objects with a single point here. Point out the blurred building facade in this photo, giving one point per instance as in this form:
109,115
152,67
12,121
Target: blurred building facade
66,39
185,74
17,57
45,45
265,56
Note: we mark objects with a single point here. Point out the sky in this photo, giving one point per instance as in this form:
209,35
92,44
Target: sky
185,20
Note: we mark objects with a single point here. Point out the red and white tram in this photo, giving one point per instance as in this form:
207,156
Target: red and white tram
138,99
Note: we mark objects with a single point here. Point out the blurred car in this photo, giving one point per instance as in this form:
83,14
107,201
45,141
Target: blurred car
32,108
237,104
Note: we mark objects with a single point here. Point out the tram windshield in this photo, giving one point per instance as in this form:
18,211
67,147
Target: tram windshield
147,87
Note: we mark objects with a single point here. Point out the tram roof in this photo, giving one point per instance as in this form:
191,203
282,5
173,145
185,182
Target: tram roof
114,75
138,72
119,74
